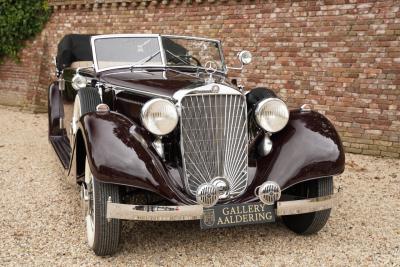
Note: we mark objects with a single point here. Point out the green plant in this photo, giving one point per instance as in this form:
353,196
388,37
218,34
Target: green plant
20,20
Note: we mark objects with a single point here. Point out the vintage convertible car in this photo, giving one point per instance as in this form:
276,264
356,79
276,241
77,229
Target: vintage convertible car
151,128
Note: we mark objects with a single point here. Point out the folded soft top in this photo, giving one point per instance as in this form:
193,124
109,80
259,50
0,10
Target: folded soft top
73,47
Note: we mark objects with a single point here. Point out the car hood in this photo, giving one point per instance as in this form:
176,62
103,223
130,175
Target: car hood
164,83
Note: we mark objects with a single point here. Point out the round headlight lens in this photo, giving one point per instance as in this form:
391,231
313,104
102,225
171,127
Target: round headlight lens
272,114
159,116
78,82
245,57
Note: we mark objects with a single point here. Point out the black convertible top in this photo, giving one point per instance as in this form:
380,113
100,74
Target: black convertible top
73,47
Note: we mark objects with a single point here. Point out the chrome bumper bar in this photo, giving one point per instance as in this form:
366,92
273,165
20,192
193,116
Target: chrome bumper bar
195,212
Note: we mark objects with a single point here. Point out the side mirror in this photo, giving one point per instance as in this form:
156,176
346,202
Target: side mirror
245,57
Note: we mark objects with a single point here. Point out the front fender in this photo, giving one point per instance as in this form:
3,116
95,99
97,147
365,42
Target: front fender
309,147
55,110
120,152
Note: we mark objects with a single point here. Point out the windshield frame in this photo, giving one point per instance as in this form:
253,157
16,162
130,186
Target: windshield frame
162,51
111,36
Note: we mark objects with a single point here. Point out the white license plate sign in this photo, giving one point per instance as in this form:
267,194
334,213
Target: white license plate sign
237,214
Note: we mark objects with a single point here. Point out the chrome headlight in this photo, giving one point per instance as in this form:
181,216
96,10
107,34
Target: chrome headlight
272,114
159,116
78,82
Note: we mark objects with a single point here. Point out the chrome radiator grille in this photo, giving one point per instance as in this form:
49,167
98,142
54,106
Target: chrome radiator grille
214,140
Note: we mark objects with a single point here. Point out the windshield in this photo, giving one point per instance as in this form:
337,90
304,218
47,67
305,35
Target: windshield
118,51
127,51
180,51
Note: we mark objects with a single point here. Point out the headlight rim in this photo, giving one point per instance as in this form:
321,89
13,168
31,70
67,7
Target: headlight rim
75,82
257,112
147,105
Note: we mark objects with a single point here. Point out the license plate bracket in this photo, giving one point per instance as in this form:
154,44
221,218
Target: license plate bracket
237,214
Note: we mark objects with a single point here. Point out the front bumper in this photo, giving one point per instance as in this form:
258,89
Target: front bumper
195,212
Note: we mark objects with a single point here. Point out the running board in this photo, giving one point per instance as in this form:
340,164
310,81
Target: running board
62,148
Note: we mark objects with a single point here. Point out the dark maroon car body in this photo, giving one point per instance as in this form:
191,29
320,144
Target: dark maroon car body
119,148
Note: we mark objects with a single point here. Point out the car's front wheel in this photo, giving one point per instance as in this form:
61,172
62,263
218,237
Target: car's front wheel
102,234
310,223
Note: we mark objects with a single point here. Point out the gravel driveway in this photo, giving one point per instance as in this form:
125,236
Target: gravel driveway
41,221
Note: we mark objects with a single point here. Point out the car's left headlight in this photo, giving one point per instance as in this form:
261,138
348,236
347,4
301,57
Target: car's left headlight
159,116
272,114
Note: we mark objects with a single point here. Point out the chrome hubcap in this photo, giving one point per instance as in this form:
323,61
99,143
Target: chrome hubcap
87,200
84,200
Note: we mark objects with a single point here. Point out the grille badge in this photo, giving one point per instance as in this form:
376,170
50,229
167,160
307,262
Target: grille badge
215,88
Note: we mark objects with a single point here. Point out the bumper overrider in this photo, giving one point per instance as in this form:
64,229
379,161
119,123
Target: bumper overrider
254,211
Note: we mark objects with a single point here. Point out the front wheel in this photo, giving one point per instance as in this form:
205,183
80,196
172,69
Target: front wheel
102,235
310,223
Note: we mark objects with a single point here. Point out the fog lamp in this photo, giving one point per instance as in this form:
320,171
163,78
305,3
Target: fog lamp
268,192
207,195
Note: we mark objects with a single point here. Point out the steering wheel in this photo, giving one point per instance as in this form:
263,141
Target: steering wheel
192,58
195,60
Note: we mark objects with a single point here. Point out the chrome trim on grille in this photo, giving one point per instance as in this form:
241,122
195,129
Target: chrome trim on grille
223,89
214,139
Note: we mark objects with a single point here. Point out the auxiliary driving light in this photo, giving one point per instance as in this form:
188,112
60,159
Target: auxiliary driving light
268,192
207,195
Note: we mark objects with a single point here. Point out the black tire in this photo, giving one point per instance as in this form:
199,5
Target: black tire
107,233
86,100
89,99
310,223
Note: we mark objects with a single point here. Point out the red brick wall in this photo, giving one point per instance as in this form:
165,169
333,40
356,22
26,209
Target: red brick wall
19,83
341,56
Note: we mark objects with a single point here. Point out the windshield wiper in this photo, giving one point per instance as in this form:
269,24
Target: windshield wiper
144,60
179,58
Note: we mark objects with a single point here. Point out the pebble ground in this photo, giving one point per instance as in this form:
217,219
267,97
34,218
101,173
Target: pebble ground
41,222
